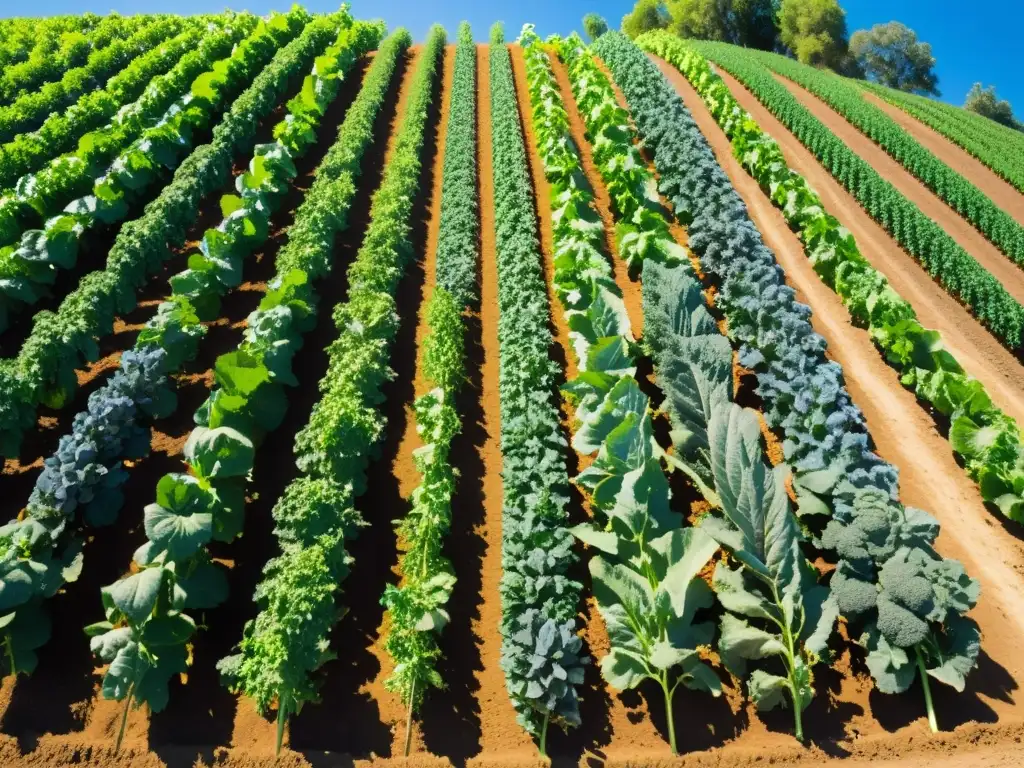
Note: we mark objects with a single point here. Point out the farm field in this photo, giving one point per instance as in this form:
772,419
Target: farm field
366,399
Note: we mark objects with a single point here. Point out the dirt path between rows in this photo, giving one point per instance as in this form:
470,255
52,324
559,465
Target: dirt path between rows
1000,191
502,740
975,348
957,227
930,479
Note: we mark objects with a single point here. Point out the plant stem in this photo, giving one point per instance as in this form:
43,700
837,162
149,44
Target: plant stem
798,714
668,713
933,722
124,717
544,735
408,719
282,719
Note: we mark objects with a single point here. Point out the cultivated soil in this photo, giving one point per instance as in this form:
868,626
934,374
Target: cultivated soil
1000,191
957,227
57,718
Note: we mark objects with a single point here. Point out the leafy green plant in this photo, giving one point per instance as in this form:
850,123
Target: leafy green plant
417,606
955,269
288,639
44,369
208,504
846,492
540,648
956,191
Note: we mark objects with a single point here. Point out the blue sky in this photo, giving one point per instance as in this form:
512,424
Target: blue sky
972,41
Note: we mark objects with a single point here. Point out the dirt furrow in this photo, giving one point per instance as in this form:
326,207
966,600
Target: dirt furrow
1002,192
501,739
930,478
957,227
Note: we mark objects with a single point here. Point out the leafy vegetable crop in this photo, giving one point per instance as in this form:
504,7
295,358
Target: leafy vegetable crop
988,441
824,436
645,577
955,269
83,477
44,369
287,640
540,648
417,606
999,147
962,196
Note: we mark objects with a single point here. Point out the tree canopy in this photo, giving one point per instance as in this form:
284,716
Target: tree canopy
985,102
815,31
645,16
891,54
594,25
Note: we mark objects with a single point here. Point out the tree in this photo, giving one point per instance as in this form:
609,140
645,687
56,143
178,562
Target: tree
700,19
985,102
594,25
814,30
749,23
890,54
645,16
754,23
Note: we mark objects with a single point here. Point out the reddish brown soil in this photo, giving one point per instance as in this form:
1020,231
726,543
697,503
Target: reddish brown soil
905,436
1000,191
969,238
976,349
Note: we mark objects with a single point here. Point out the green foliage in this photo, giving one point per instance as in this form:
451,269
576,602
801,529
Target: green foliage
460,218
956,270
193,509
891,55
962,196
286,643
30,109
417,606
594,25
814,30
999,147
539,600
984,102
909,601
646,15
43,371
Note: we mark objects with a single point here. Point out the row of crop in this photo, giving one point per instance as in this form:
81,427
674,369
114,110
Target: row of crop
21,35
44,369
62,129
774,606
39,195
28,267
289,639
956,191
540,651
987,440
208,503
999,147
80,485
955,269
847,494
56,52
634,530
417,607
30,110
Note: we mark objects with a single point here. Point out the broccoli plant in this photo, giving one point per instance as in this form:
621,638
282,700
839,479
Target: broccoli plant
907,600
